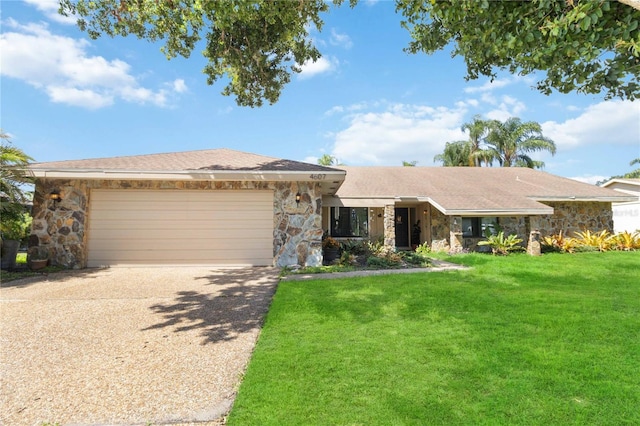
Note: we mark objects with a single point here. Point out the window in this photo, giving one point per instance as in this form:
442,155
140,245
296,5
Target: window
350,222
477,227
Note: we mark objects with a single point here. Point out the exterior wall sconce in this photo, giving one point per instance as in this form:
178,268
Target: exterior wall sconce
298,197
55,196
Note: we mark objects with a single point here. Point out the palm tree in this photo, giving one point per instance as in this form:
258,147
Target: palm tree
511,142
478,130
12,177
455,154
329,160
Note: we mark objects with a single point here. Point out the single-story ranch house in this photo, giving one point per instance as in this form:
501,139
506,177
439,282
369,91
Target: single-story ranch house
225,207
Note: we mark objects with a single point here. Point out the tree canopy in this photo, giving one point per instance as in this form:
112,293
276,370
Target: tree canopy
584,46
508,143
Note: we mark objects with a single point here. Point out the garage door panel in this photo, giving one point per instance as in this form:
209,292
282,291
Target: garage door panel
231,244
123,233
145,215
151,195
212,206
155,227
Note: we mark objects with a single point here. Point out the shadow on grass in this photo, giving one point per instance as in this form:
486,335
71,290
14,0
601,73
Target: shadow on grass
236,305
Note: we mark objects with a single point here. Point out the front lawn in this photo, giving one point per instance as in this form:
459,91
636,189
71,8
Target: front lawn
515,340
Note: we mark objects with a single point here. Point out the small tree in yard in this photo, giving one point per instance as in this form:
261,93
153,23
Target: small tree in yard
12,193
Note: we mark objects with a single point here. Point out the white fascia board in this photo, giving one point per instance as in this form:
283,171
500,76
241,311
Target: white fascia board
223,175
488,212
609,199
621,180
505,212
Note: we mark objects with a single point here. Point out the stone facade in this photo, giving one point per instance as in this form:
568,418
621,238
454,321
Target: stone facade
59,228
390,226
568,217
576,216
439,230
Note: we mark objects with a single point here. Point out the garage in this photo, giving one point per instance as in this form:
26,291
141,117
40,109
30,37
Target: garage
180,227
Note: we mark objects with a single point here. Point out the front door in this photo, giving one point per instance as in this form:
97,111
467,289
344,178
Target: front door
402,227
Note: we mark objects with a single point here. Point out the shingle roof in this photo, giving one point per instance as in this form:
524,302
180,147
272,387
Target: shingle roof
210,159
455,189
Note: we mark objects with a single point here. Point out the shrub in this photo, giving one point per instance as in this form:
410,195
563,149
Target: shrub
383,262
558,243
502,245
330,242
347,259
423,248
598,240
625,241
416,259
355,247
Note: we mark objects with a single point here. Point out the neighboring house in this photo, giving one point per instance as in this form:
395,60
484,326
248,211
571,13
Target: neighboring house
626,216
225,207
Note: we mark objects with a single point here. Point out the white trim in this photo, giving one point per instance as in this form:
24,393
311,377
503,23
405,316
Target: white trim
610,199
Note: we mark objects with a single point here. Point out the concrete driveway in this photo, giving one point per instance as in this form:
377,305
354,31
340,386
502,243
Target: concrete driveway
128,345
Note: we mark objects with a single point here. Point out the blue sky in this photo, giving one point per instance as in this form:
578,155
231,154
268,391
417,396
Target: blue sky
366,101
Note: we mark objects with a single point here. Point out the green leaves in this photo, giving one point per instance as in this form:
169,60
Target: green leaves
256,44
588,46
585,46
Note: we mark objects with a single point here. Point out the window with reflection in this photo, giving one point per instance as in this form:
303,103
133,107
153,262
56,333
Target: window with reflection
477,227
350,222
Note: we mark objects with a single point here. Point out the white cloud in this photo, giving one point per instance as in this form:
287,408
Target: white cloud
179,86
609,122
488,86
83,98
342,40
508,107
590,179
62,68
50,9
322,65
400,132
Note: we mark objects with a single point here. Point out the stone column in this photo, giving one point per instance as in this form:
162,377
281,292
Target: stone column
533,245
455,234
390,226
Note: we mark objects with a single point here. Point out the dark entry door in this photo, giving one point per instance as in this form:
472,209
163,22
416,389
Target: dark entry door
402,227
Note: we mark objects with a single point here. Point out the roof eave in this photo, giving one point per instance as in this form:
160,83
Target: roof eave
329,181
607,199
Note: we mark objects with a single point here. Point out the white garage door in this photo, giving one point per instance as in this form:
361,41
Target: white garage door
169,227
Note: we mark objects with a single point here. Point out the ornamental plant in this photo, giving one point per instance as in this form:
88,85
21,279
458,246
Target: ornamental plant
502,245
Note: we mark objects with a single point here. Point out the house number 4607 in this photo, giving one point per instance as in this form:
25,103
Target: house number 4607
318,176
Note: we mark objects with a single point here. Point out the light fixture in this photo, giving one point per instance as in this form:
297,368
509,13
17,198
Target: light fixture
55,196
298,197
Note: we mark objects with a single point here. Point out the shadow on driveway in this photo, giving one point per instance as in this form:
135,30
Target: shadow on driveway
237,305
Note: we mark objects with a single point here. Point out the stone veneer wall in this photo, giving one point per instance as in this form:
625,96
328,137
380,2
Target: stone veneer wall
576,216
439,230
390,226
59,228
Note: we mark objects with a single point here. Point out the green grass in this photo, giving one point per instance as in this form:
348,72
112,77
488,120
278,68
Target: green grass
515,340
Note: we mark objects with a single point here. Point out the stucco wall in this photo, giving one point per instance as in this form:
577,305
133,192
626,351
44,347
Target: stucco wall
59,229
